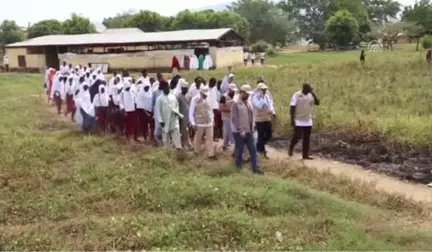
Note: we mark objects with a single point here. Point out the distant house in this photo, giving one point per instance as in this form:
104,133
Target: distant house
128,48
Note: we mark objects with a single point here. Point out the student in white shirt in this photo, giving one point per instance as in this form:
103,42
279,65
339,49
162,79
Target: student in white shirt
245,58
128,105
6,63
253,56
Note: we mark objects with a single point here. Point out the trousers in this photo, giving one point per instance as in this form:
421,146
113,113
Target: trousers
264,130
172,137
304,133
228,138
208,133
240,143
131,125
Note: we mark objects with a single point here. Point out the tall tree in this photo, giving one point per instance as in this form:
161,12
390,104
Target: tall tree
266,21
147,21
414,31
311,15
10,32
78,25
390,32
420,13
120,21
382,11
341,28
210,19
45,27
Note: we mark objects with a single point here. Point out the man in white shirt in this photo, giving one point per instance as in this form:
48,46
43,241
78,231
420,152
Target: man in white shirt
253,56
127,103
302,105
201,119
6,63
214,98
263,111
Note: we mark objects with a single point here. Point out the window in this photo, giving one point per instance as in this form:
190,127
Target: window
22,61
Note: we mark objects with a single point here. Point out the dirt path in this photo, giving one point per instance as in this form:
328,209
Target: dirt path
417,192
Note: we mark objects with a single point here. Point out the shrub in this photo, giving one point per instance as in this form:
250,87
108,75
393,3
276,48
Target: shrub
260,46
427,42
272,51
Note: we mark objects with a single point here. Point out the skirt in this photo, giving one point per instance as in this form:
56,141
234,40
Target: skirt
70,103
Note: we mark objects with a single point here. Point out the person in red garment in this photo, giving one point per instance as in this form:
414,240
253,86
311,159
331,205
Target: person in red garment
128,105
70,89
175,64
429,56
50,83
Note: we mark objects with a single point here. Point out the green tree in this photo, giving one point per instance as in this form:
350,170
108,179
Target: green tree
311,16
266,20
209,19
390,32
120,21
147,21
382,11
414,31
420,13
45,27
341,28
78,25
10,32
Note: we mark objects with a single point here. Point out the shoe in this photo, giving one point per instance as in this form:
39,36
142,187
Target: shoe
213,158
259,172
264,154
308,158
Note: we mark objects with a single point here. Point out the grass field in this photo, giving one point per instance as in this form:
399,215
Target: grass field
60,190
388,96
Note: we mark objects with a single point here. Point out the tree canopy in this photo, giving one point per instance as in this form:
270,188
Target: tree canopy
45,27
10,32
78,25
341,28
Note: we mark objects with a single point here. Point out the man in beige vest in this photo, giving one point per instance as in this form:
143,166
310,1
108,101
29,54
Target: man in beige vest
302,105
263,111
243,125
201,119
225,105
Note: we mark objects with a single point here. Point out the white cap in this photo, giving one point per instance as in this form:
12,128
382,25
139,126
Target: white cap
246,88
262,85
230,75
183,83
233,87
205,90
126,84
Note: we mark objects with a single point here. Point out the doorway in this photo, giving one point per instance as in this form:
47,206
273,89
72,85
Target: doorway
51,57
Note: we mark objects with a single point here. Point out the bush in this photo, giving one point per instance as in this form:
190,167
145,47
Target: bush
272,51
260,46
427,42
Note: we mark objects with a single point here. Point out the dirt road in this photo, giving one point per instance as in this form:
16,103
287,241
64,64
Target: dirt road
417,192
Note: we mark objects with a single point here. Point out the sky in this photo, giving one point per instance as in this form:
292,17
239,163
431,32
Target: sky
32,11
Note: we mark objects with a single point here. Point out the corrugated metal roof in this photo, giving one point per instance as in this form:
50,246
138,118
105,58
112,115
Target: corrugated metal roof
123,30
124,38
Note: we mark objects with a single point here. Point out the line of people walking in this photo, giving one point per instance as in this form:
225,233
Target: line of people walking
172,113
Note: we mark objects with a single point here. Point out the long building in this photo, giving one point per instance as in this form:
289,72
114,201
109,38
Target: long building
128,48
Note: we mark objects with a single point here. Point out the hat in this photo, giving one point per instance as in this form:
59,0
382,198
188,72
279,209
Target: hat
233,87
183,83
230,75
246,88
262,85
205,90
126,84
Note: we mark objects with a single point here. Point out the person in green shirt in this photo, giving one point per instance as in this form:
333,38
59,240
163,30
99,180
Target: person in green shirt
200,62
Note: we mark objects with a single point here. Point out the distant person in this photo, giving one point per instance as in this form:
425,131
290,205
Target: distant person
184,110
429,56
253,56
302,105
362,57
245,58
262,58
228,79
242,120
225,105
201,62
6,63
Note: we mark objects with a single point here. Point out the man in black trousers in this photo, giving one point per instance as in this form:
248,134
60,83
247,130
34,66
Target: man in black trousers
302,106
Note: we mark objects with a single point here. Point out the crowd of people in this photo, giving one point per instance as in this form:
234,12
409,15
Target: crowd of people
176,114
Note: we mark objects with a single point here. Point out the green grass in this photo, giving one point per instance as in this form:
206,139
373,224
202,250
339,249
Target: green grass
60,190
389,96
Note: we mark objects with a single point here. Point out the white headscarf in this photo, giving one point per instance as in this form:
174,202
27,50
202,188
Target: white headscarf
101,99
84,100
